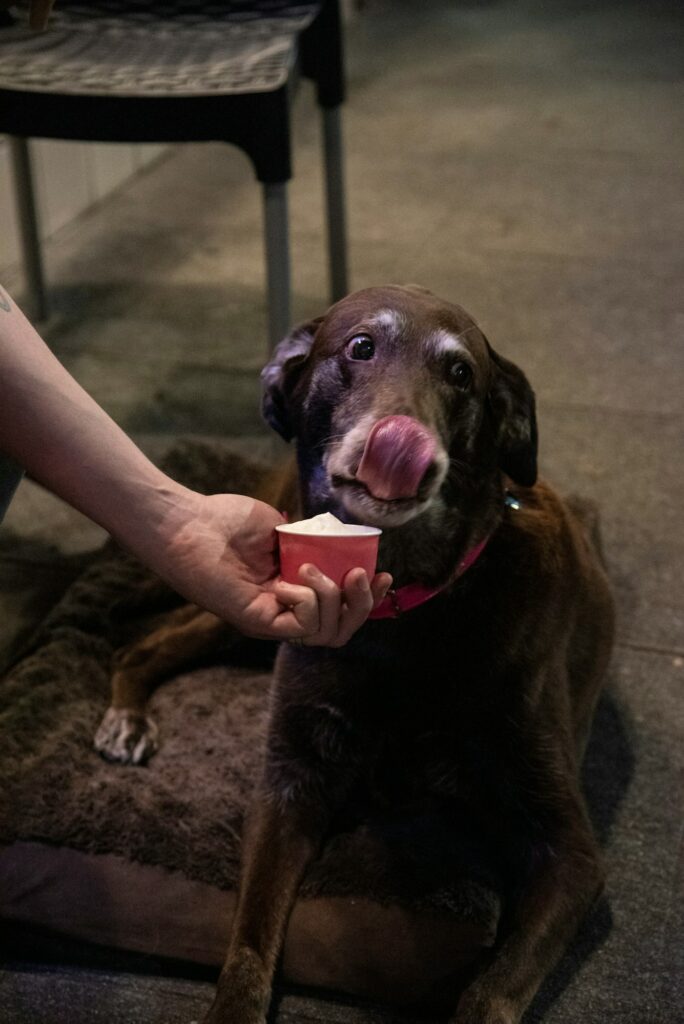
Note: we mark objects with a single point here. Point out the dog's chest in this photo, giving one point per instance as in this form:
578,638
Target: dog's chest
403,767
411,741
422,709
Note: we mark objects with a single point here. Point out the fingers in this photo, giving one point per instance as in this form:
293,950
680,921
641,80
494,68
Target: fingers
358,604
302,609
361,598
316,606
323,615
380,585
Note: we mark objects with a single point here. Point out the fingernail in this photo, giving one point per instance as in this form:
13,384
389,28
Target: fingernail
363,584
312,572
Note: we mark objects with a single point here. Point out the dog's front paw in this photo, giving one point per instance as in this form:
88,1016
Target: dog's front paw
126,736
243,992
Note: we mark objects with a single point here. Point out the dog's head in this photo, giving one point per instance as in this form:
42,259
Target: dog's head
399,405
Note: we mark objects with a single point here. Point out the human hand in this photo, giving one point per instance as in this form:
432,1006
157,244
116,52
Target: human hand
221,552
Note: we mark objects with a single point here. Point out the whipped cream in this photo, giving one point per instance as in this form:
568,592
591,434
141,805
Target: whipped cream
327,524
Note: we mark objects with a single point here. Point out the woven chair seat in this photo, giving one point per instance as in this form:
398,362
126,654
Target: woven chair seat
146,49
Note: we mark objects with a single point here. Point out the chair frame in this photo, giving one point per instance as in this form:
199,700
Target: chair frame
260,124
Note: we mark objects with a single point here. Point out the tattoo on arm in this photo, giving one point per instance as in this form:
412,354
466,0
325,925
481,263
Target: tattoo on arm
4,301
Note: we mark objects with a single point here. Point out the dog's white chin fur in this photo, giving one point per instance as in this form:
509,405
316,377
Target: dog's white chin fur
364,508
340,464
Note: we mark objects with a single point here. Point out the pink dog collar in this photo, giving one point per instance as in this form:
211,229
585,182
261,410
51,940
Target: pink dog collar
397,602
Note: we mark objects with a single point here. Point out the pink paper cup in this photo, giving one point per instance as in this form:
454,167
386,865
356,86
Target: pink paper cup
333,554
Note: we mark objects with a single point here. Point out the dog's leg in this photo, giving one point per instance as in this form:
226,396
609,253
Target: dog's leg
314,757
560,890
279,842
127,733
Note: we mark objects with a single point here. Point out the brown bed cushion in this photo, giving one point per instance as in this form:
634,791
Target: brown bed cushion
146,859
344,944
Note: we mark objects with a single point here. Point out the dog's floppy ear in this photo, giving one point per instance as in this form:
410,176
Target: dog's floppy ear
512,406
279,375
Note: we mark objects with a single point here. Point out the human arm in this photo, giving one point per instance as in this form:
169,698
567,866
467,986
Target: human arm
218,550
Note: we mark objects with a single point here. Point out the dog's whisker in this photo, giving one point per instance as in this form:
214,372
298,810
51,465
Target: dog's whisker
325,441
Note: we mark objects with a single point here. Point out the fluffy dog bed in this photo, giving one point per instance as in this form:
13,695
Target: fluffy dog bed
146,859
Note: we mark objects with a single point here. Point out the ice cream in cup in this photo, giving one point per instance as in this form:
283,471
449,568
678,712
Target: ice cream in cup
332,546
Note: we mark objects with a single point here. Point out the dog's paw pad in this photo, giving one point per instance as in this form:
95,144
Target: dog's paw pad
126,736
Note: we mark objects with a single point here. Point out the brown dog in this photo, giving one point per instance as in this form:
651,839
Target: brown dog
476,685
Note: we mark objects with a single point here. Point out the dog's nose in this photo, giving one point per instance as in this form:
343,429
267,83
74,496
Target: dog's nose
398,453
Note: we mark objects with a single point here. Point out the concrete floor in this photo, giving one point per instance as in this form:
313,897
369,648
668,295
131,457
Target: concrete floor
525,161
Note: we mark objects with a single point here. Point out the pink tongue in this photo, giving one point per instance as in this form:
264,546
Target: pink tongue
398,451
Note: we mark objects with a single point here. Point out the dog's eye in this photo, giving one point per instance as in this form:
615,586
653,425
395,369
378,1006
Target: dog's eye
361,347
461,375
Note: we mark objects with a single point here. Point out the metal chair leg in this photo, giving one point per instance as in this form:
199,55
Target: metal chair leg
277,261
335,205
28,226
